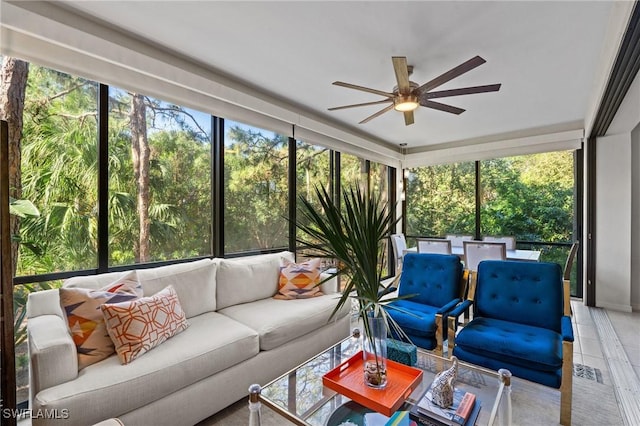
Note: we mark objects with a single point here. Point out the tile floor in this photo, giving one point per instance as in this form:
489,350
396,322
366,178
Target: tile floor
587,348
610,341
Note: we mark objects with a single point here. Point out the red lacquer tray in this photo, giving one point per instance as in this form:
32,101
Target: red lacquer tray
348,379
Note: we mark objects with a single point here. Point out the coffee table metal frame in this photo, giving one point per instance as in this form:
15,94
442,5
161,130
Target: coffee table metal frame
299,396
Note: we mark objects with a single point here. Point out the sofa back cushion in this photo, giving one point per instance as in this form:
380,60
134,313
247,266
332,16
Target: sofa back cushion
529,293
247,279
194,283
92,282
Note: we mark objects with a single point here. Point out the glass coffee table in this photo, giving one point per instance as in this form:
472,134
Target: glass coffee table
300,396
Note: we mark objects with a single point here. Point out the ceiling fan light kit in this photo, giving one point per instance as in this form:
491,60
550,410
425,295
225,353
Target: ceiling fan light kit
405,103
408,96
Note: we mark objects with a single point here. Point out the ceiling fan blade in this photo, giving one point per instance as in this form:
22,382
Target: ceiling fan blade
451,74
402,74
462,91
384,101
408,118
364,89
442,107
377,114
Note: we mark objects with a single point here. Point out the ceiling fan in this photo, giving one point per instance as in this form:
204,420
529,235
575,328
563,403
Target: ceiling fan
407,95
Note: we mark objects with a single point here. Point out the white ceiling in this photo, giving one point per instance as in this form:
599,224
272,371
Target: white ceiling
545,54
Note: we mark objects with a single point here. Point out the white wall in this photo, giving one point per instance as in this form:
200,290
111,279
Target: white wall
635,218
618,208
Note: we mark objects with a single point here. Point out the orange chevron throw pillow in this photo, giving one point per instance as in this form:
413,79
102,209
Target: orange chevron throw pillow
299,280
84,317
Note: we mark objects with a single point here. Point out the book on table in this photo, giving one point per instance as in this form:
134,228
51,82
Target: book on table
461,412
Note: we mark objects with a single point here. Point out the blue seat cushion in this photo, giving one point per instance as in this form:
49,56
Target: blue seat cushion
415,319
548,378
531,347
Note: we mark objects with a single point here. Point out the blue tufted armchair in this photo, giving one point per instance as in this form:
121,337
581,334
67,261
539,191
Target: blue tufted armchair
521,322
435,283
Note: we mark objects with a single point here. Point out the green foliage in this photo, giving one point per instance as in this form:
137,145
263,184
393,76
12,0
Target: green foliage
530,197
256,190
440,200
22,208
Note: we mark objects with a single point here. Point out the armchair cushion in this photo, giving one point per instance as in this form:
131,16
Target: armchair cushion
433,278
547,378
522,292
520,344
414,318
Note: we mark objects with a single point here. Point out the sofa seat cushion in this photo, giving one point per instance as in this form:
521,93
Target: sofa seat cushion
280,321
531,347
415,319
212,343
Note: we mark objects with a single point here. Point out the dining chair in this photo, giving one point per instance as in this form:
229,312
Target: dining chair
509,241
457,240
399,248
477,251
433,245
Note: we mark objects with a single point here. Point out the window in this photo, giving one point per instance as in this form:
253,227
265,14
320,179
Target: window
313,169
379,185
159,180
532,197
255,189
160,204
59,174
441,200
353,171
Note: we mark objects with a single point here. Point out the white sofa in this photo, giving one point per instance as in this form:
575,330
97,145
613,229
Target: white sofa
238,335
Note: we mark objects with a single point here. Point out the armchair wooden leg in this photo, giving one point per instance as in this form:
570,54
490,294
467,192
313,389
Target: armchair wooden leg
451,334
566,385
439,331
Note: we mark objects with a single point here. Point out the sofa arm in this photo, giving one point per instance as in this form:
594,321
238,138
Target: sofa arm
45,302
329,286
52,353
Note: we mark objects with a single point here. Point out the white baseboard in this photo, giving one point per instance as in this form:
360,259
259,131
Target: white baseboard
614,306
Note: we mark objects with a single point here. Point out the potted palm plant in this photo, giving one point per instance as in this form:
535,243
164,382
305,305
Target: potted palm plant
353,234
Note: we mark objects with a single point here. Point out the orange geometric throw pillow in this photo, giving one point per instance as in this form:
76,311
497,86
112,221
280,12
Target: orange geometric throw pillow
84,317
299,280
140,325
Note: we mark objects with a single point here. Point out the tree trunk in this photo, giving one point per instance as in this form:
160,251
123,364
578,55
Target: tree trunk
140,155
13,84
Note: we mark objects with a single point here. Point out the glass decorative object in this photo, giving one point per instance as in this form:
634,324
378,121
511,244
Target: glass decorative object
374,352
